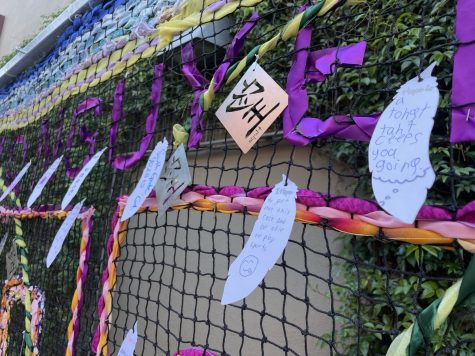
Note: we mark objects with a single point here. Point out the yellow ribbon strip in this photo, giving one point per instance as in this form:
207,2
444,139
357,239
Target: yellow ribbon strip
399,345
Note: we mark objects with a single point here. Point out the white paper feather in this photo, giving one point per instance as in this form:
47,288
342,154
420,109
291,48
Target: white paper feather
399,148
268,239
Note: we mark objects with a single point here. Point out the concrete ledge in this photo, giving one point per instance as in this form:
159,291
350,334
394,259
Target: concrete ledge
215,34
42,43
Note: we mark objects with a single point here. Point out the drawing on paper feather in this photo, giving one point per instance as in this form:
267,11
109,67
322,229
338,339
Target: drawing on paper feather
399,149
268,239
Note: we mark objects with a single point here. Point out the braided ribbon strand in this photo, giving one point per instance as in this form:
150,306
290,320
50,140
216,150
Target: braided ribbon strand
320,8
25,269
81,276
14,291
109,277
48,212
350,215
431,318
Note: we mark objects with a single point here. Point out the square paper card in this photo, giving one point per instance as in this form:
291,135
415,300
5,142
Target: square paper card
252,106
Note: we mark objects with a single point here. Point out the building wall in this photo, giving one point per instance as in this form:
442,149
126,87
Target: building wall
23,19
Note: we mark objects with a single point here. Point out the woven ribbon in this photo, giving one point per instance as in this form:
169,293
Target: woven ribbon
434,225
124,54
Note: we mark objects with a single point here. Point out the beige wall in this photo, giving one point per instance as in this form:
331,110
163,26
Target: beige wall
149,256
23,19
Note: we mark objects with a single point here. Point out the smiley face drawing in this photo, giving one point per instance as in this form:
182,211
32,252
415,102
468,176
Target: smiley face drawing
248,266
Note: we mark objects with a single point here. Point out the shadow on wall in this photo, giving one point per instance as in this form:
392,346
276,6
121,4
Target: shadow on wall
172,270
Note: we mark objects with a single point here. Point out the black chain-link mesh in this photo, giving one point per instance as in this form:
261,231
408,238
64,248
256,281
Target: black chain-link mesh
329,293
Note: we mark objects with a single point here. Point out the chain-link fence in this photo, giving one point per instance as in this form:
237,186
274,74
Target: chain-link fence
116,87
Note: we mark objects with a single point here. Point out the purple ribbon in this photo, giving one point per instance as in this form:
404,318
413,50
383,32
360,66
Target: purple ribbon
463,80
199,83
2,144
358,128
300,130
58,133
84,134
43,150
233,50
128,160
323,62
20,139
117,115
216,6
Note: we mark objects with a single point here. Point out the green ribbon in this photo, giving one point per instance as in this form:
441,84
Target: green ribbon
423,329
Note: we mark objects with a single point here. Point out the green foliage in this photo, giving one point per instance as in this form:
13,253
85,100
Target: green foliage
383,285
388,284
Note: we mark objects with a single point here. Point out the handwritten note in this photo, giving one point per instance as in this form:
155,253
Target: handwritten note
173,181
268,239
3,242
128,345
150,175
399,148
252,106
42,182
11,261
15,181
79,180
62,233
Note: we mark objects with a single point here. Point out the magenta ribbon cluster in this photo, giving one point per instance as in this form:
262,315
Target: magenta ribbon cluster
463,80
311,67
199,83
194,351
350,205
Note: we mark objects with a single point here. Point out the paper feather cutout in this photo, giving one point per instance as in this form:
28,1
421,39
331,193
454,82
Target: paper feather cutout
399,148
268,239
